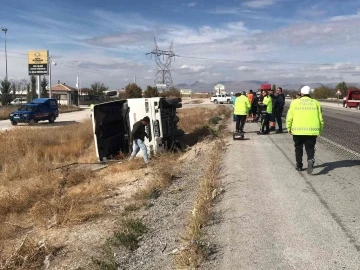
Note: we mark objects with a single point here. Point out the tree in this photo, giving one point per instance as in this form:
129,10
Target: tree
43,85
98,88
133,91
172,92
273,87
322,92
6,96
151,92
28,93
33,94
342,87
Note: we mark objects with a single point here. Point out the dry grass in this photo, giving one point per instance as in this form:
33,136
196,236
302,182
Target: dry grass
6,110
34,195
197,118
27,152
29,255
164,169
195,251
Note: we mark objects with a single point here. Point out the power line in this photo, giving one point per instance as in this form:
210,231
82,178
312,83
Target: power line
255,61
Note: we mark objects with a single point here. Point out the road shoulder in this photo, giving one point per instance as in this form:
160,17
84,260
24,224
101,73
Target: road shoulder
273,217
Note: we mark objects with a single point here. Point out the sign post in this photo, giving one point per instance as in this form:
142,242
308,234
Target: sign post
338,93
38,63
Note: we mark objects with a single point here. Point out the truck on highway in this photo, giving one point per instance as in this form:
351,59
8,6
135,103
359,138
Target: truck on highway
352,99
220,98
40,109
113,122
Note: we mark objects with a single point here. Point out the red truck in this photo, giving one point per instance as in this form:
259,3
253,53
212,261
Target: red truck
353,99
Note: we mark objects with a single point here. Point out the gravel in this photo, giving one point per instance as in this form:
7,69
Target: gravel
168,215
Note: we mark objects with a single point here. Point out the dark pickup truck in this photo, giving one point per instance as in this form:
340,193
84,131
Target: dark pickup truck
39,109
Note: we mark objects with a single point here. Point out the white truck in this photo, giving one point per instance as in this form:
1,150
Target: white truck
221,98
113,122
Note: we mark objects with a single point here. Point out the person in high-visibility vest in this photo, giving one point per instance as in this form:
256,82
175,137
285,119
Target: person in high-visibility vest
241,109
305,122
250,97
267,108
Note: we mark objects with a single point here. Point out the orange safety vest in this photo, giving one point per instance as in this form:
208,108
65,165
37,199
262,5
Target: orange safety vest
250,97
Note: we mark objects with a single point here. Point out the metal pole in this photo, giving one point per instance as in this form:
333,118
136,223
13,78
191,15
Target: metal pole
6,57
50,78
38,86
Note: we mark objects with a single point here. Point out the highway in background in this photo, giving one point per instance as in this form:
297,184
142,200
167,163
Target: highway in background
63,120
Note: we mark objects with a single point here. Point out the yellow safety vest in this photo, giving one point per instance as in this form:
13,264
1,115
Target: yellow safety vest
268,102
305,117
242,105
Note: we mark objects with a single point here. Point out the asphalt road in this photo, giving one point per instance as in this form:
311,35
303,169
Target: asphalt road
274,217
62,120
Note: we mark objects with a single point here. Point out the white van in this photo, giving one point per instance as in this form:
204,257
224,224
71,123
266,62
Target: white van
113,122
18,101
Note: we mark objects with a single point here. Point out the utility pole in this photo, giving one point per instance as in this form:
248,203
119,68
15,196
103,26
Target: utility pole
135,78
5,30
163,72
38,86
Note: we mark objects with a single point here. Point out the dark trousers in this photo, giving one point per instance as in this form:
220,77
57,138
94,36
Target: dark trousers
278,115
300,141
240,122
265,122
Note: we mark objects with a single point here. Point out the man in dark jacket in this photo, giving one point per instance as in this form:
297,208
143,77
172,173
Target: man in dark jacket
137,138
279,108
254,107
259,108
272,117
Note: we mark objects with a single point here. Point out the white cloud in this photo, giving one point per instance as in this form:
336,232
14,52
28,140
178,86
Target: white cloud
192,4
246,69
346,17
259,3
193,68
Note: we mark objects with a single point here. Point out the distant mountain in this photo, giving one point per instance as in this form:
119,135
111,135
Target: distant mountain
237,86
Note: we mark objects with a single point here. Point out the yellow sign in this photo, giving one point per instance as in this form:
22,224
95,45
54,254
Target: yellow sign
38,57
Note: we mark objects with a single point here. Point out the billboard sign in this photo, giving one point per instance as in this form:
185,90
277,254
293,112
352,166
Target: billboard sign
38,62
161,85
219,87
185,91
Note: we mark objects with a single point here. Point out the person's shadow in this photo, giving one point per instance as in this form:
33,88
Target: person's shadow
329,166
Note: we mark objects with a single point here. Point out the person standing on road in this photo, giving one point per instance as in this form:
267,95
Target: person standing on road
254,107
272,117
279,108
259,108
250,97
266,112
305,122
138,135
241,110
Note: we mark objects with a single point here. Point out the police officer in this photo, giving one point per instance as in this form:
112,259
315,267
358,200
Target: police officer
305,122
266,112
241,109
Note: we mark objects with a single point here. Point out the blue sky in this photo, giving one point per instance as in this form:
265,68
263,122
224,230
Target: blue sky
281,41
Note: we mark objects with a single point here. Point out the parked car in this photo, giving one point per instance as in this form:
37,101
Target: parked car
222,98
18,101
40,109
